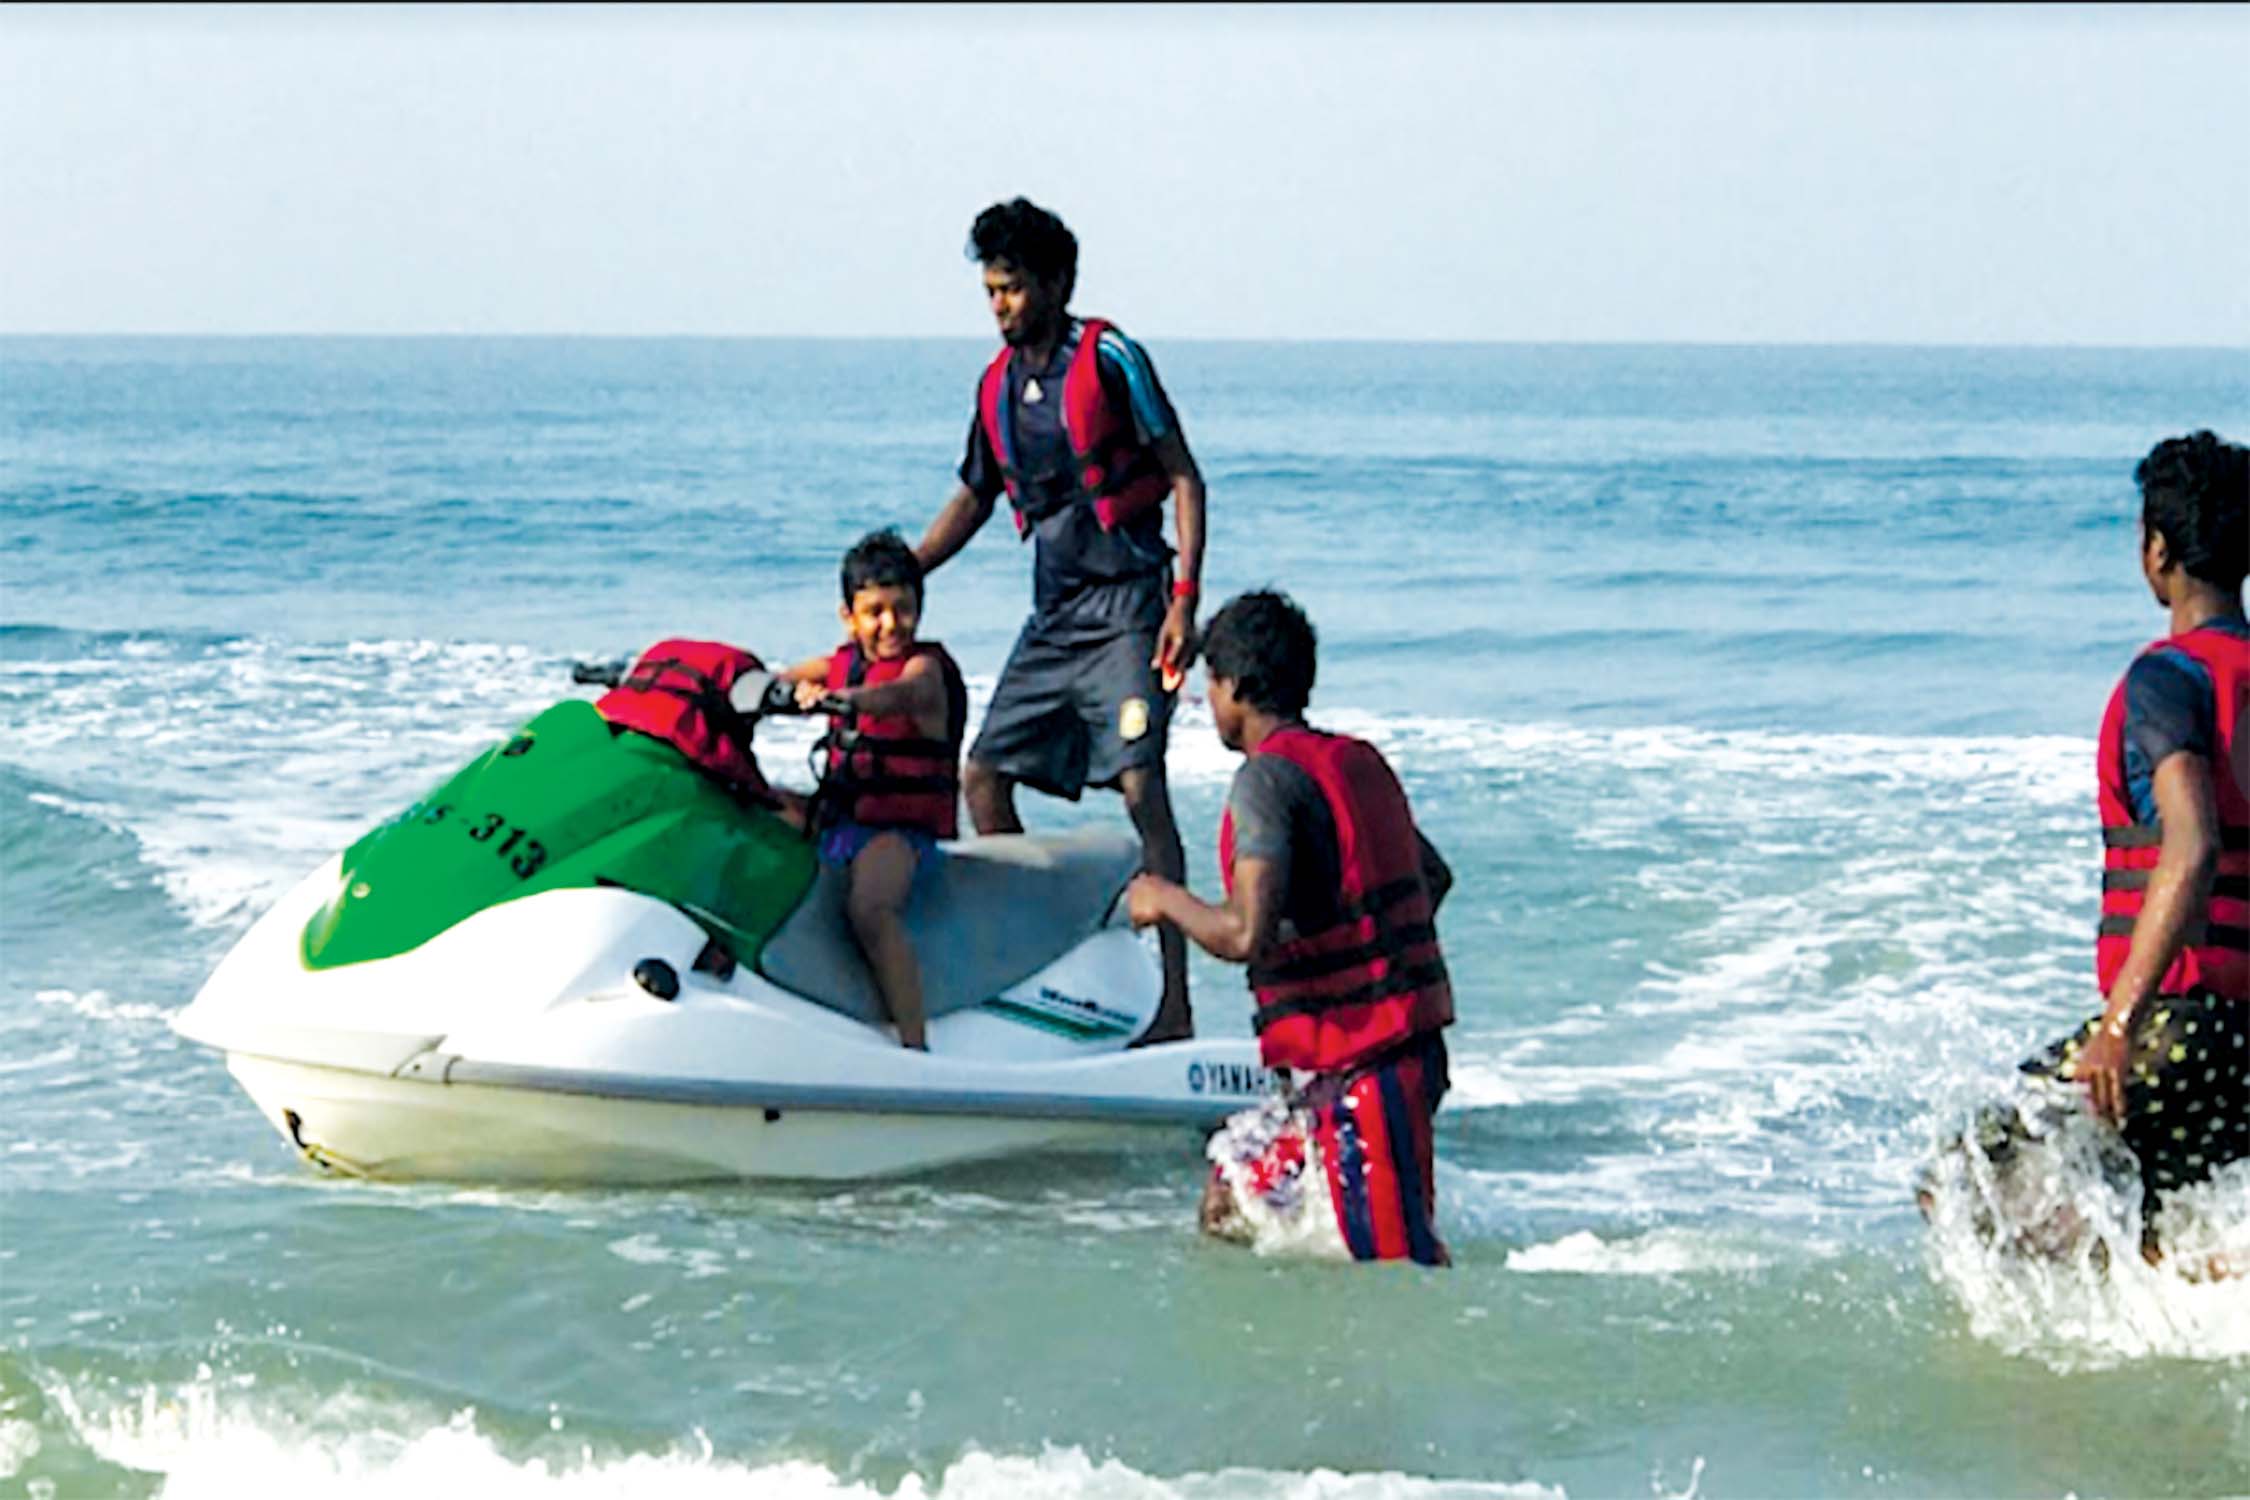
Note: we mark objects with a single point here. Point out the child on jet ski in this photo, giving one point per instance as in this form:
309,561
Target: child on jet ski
893,783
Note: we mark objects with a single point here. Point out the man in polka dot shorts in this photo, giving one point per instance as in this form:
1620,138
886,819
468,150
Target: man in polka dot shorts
2168,1060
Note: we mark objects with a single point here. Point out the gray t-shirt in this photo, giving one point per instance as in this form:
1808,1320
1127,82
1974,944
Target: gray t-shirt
1280,814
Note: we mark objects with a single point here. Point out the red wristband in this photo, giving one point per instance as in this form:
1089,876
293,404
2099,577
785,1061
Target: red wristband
1183,589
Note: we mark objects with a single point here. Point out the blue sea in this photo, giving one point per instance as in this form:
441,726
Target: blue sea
1750,691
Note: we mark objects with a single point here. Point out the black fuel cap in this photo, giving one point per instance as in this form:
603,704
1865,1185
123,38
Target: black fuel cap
658,978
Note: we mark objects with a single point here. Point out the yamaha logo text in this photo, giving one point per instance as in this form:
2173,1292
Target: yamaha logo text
1229,1078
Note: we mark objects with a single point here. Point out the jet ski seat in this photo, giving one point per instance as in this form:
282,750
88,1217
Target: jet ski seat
989,913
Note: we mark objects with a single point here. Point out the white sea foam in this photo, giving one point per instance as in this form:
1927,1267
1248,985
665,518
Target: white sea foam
207,1439
19,1444
97,1005
2046,771
647,1250
1663,1252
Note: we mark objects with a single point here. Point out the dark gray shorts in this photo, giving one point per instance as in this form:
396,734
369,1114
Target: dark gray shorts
1072,712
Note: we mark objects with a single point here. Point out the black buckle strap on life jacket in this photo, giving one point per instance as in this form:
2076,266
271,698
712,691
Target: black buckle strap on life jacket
839,787
703,692
1405,981
2224,887
872,787
905,747
1383,897
1387,943
644,678
2233,838
2199,932
1389,940
884,752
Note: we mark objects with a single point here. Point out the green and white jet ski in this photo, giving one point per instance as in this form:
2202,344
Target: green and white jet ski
582,959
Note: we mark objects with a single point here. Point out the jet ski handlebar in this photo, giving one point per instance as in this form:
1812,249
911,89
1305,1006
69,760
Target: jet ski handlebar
605,673
757,695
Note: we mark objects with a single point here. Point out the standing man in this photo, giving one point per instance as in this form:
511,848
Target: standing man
1072,425
2167,1061
1331,900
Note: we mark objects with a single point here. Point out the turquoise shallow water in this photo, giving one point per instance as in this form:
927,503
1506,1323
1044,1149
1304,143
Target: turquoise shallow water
1750,691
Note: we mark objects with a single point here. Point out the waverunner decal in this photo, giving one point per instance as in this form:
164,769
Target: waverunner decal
1050,1009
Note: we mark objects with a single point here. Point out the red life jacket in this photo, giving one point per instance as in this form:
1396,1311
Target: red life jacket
2216,954
1116,475
889,774
677,691
1330,1000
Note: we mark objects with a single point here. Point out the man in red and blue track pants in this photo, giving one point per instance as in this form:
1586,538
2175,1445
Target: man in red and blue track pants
1331,901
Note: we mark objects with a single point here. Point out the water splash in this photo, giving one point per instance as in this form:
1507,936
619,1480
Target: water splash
2036,1231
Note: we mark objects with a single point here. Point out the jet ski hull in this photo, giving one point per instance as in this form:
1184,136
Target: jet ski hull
367,1125
518,1046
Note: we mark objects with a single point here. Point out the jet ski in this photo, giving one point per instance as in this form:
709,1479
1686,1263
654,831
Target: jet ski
584,957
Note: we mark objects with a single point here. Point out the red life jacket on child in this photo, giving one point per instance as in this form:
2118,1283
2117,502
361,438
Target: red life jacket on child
2216,954
889,774
1116,475
677,692
1330,1000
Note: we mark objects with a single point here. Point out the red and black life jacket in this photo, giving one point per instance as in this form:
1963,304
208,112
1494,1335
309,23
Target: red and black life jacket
1331,1000
677,691
2216,954
1118,476
888,774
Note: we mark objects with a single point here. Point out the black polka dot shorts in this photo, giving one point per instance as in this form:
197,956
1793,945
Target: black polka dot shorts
2187,1094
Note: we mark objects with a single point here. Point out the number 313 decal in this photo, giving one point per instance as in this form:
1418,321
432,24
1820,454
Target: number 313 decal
525,855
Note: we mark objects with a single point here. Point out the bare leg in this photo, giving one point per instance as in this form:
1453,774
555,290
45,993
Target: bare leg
991,797
1149,799
881,877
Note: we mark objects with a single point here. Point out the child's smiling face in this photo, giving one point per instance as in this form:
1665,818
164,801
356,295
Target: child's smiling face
882,618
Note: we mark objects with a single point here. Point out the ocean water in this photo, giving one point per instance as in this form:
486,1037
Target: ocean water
1751,693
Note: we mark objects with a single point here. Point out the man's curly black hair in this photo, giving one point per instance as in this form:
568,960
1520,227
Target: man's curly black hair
1263,644
881,559
2193,495
1029,238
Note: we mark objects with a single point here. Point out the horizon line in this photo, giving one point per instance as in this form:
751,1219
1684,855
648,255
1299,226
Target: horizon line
275,336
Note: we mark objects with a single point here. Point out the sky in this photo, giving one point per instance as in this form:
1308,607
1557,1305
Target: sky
1717,174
